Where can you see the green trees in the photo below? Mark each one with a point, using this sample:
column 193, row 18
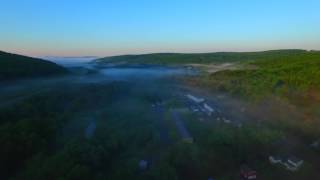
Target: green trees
column 274, row 75
column 21, row 140
column 200, row 58
column 14, row 66
column 31, row 130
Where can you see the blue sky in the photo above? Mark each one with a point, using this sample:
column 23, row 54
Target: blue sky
column 110, row 27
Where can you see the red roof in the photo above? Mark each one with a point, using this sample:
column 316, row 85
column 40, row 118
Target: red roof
column 248, row 174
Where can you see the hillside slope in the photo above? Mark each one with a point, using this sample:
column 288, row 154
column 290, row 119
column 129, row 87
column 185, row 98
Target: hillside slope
column 199, row 58
column 294, row 80
column 13, row 66
column 281, row 75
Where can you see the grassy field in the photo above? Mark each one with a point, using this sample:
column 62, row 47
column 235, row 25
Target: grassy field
column 14, row 66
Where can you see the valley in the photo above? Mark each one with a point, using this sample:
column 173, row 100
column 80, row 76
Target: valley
column 152, row 121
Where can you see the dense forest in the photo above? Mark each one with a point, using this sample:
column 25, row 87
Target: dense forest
column 289, row 76
column 294, row 78
column 200, row 58
column 35, row 142
column 43, row 137
column 14, row 66
column 47, row 134
column 277, row 74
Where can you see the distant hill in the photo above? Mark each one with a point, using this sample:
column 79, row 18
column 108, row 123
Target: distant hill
column 295, row 76
column 13, row 66
column 70, row 60
column 201, row 58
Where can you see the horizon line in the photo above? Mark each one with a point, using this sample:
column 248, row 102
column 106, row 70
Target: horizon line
column 160, row 52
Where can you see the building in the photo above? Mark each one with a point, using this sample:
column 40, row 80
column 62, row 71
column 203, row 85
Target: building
column 209, row 110
column 275, row 159
column 316, row 144
column 194, row 109
column 195, row 99
column 227, row 121
column 247, row 173
column 291, row 163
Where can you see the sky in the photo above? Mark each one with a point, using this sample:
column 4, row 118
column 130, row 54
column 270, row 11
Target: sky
column 114, row 27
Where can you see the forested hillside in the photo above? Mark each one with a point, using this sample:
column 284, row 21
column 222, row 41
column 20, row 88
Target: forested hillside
column 13, row 66
column 280, row 75
column 293, row 78
column 200, row 58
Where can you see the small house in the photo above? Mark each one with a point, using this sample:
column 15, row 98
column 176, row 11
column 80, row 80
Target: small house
column 247, row 173
column 227, row 121
column 293, row 163
column 275, row 159
column 315, row 144
column 195, row 99
column 194, row 109
column 208, row 109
